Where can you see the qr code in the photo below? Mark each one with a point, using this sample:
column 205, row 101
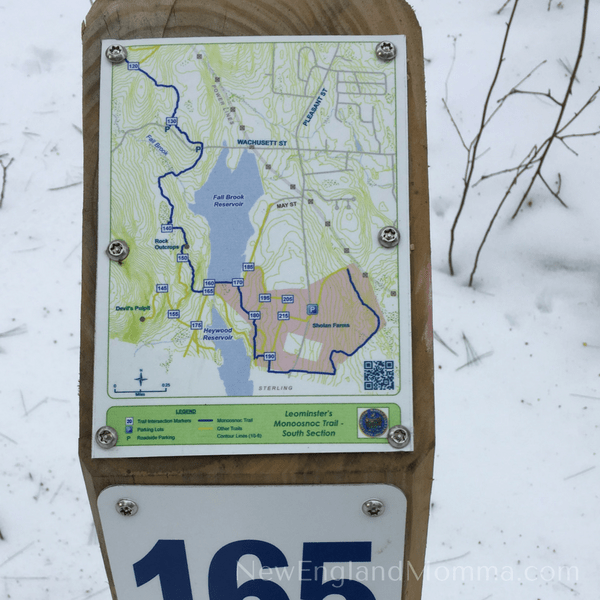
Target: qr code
column 379, row 374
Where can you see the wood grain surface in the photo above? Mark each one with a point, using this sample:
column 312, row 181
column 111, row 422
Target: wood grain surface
column 410, row 471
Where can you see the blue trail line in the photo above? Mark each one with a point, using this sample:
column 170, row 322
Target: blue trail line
column 200, row 151
column 334, row 371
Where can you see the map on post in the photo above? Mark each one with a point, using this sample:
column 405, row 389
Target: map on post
column 253, row 289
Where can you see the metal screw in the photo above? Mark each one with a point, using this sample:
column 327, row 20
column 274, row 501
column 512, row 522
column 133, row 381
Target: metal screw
column 126, row 507
column 118, row 250
column 106, row 437
column 373, row 507
column 116, row 53
column 398, row 436
column 389, row 237
column 385, row 51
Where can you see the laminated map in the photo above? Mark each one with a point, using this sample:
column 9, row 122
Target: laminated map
column 254, row 309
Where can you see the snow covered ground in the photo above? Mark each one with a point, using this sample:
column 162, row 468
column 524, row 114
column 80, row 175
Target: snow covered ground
column 516, row 480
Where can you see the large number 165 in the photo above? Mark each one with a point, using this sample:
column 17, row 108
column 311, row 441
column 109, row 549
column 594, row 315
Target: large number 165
column 168, row 561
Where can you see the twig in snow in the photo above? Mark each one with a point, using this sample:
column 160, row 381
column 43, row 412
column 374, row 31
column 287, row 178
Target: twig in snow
column 78, row 128
column 443, row 343
column 14, row 331
column 56, row 492
column 64, row 187
column 503, row 7
column 567, row 66
column 7, row 438
column 472, row 154
column 583, row 396
column 475, row 360
column 4, row 171
column 1, row 536
column 16, row 554
column 445, row 560
column 471, row 354
column 103, row 589
column 27, row 250
column 19, row 578
column 36, row 406
column 472, row 357
column 68, row 255
column 569, row 588
column 580, row 473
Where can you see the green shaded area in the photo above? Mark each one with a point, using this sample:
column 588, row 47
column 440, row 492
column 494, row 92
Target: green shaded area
column 202, row 424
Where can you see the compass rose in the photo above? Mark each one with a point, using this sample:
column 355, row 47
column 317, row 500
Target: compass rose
column 141, row 378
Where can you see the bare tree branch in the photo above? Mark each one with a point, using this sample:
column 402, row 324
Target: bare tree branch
column 493, row 219
column 557, row 127
column 471, row 164
column 4, row 170
column 591, row 99
column 544, row 94
column 510, row 169
column 462, row 141
column 555, row 194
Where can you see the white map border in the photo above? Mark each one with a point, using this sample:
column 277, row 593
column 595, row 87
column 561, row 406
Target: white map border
column 101, row 400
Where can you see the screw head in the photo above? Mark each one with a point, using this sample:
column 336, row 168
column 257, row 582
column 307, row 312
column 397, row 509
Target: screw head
column 385, row 51
column 389, row 237
column 117, row 250
column 106, row 437
column 116, row 53
column 126, row 507
column 398, row 436
column 373, row 507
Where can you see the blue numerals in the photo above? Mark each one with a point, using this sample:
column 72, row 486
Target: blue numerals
column 168, row 561
column 222, row 574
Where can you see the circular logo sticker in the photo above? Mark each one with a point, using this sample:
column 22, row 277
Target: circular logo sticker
column 373, row 422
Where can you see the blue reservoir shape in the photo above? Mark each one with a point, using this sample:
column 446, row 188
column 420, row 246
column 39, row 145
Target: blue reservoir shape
column 235, row 371
column 230, row 226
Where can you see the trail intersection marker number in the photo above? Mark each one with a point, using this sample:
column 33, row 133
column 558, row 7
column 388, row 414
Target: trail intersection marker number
column 211, row 234
column 319, row 541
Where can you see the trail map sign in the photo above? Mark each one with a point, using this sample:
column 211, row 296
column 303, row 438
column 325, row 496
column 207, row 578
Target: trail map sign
column 255, row 311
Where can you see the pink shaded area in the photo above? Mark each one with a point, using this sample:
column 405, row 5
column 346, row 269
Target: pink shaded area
column 339, row 303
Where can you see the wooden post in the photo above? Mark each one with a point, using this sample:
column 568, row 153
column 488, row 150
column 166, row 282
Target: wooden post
column 409, row 471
